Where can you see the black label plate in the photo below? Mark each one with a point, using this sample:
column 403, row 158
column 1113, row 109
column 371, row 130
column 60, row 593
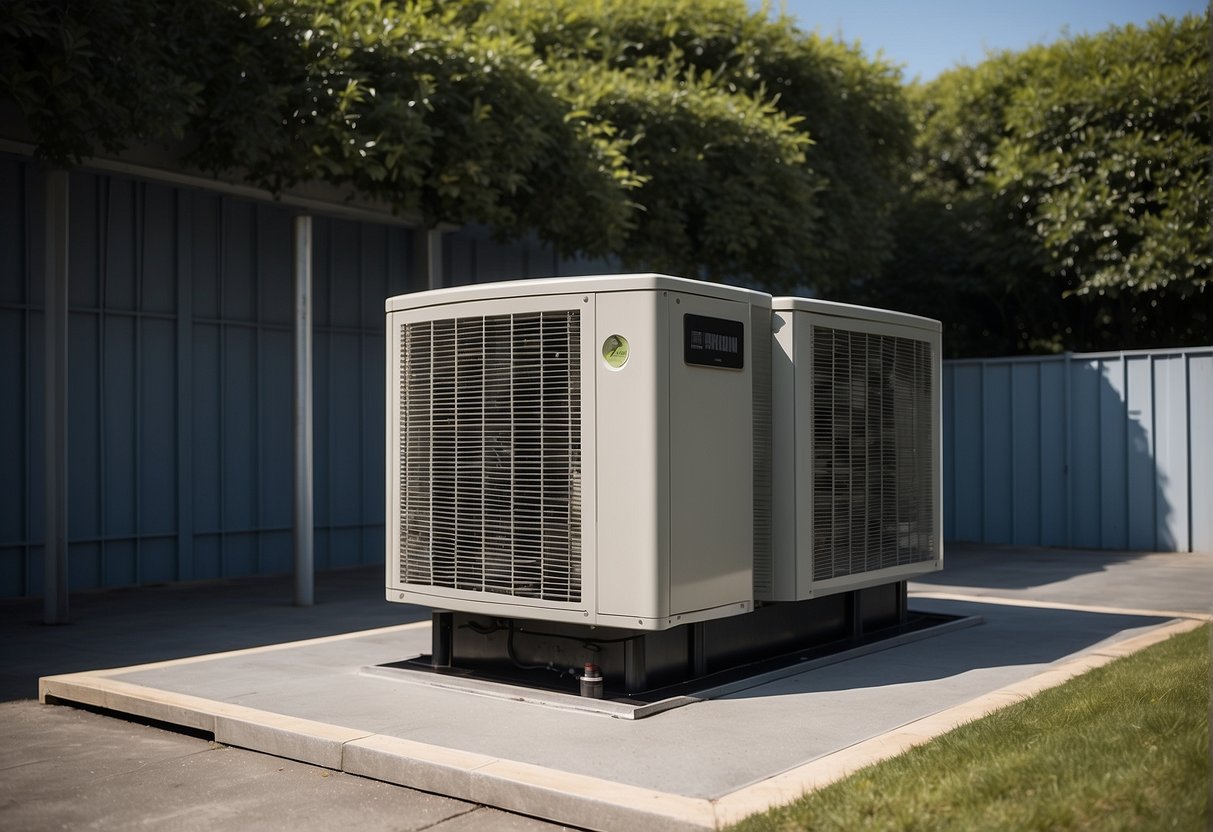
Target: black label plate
column 713, row 342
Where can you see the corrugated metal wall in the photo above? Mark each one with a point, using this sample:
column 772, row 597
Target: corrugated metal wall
column 1101, row 450
column 180, row 377
column 472, row 255
column 180, row 457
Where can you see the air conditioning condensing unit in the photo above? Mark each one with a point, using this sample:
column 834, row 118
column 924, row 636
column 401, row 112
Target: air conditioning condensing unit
column 856, row 432
column 588, row 450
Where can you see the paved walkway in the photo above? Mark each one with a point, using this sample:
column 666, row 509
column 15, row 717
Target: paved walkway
column 63, row 767
column 68, row 768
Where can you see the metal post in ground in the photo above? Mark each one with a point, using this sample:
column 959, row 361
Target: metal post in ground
column 55, row 240
column 303, row 534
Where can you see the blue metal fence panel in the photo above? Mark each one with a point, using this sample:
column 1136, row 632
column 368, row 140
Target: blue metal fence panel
column 964, row 468
column 1052, row 489
column 1084, row 474
column 1107, row 450
column 997, row 438
column 1025, row 451
column 1112, row 430
column 180, row 370
column 1200, row 436
column 1172, row 452
column 1139, row 461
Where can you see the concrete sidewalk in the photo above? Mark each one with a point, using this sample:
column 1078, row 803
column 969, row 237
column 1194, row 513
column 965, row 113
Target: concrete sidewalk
column 67, row 768
column 1048, row 613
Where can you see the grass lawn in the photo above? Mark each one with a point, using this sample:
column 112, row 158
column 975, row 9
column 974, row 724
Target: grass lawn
column 1124, row 746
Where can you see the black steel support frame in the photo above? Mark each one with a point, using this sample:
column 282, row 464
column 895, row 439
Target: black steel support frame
column 635, row 661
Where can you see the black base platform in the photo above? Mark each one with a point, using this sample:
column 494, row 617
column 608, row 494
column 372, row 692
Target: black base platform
column 645, row 665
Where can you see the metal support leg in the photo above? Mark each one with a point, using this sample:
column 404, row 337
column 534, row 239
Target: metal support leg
column 442, row 639
column 304, row 535
column 54, row 596
column 903, row 602
column 696, row 658
column 635, row 676
column 855, row 615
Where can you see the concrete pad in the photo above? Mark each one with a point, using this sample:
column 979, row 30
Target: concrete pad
column 587, row 801
column 988, row 598
column 418, row 765
column 99, row 691
column 482, row 818
column 305, row 740
column 162, row 708
column 692, row 768
column 629, row 709
column 123, row 627
column 1093, row 579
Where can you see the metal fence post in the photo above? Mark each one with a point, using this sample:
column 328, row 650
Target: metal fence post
column 304, row 534
column 55, row 581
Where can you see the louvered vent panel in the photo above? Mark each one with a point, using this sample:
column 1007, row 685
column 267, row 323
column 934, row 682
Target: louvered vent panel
column 490, row 454
column 760, row 326
column 872, row 452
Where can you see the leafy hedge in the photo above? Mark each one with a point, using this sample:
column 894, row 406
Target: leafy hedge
column 402, row 103
column 1055, row 198
column 648, row 130
column 852, row 108
column 1061, row 196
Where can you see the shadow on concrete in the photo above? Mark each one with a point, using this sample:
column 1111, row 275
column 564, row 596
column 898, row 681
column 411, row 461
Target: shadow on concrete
column 1009, row 637
column 118, row 628
column 1133, row 582
column 994, row 566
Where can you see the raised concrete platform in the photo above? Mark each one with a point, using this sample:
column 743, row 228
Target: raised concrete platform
column 700, row 766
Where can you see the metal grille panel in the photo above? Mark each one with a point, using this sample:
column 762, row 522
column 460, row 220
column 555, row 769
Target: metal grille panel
column 760, row 326
column 873, row 505
column 490, row 454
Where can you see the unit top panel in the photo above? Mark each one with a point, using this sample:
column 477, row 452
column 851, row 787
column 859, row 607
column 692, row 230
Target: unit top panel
column 575, row 285
column 851, row 312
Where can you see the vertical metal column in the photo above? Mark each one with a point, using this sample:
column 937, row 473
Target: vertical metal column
column 54, row 595
column 854, row 615
column 442, row 638
column 185, row 386
column 427, row 256
column 697, row 659
column 304, row 535
column 1067, row 471
column 635, row 667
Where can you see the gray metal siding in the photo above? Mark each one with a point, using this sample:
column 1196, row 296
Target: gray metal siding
column 1106, row 450
column 180, row 383
column 20, row 386
column 1200, row 404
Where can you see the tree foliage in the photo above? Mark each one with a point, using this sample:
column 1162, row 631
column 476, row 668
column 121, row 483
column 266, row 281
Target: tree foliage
column 851, row 107
column 1060, row 197
column 696, row 137
column 402, row 103
column 1055, row 198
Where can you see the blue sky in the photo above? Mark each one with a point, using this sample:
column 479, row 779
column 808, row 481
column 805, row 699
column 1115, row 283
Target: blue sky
column 930, row 36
